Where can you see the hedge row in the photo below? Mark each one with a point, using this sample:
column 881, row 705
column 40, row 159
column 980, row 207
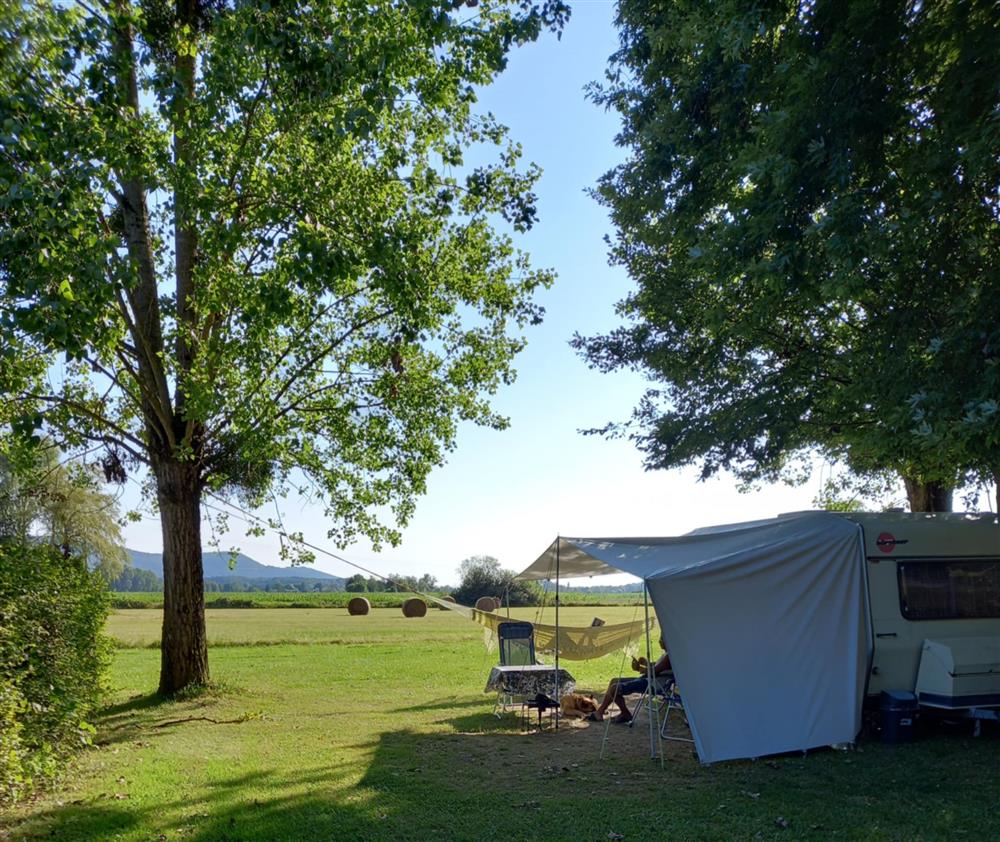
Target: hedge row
column 53, row 659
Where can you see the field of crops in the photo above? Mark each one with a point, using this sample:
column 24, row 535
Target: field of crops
column 324, row 726
column 264, row 599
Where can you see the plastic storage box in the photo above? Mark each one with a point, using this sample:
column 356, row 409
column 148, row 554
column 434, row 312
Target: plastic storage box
column 899, row 716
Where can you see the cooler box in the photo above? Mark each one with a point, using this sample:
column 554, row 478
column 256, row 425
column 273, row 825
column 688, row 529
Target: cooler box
column 899, row 716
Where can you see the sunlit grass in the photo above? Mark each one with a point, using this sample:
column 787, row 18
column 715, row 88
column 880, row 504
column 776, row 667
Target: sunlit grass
column 243, row 626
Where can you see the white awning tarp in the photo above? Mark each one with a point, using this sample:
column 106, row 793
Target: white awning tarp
column 767, row 625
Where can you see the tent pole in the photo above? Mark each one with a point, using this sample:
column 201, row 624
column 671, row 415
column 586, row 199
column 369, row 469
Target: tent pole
column 650, row 676
column 558, row 542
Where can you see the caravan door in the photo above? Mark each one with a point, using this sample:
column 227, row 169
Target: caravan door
column 897, row 643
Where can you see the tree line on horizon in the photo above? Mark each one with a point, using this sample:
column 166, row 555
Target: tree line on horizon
column 359, row 583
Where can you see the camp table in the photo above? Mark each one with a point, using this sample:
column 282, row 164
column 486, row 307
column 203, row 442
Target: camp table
column 529, row 680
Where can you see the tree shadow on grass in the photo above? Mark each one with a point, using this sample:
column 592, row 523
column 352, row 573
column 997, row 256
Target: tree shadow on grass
column 135, row 703
column 127, row 720
column 488, row 777
column 391, row 802
column 411, row 785
column 414, row 786
column 480, row 718
column 132, row 719
column 473, row 776
column 449, row 703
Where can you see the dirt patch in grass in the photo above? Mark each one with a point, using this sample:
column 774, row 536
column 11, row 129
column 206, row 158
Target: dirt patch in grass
column 577, row 759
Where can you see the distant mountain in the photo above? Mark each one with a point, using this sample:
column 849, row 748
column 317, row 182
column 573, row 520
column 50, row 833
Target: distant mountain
column 217, row 567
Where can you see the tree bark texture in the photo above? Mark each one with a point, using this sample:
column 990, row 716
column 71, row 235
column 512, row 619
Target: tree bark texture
column 184, row 645
column 928, row 496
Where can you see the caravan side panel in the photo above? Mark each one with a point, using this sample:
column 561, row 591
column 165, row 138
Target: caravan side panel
column 929, row 577
column 899, row 640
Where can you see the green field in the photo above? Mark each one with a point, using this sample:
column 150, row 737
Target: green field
column 262, row 626
column 266, row 599
column 376, row 728
column 339, row 599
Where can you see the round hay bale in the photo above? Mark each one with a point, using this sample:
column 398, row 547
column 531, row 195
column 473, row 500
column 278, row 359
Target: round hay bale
column 448, row 598
column 487, row 603
column 358, row 606
column 414, row 608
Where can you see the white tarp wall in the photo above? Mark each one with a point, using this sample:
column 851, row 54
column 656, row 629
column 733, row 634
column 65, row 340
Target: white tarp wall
column 767, row 624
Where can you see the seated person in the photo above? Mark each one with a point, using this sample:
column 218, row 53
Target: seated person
column 619, row 688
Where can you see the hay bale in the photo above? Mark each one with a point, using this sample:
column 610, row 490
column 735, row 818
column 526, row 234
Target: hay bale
column 358, row 606
column 414, row 607
column 448, row 598
column 487, row 603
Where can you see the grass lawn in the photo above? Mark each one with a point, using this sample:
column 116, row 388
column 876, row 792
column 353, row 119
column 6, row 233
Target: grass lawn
column 335, row 727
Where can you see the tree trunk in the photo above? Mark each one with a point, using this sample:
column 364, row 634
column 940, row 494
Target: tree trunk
column 928, row 496
column 184, row 646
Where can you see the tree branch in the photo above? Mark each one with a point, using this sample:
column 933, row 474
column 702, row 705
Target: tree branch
column 83, row 409
column 142, row 298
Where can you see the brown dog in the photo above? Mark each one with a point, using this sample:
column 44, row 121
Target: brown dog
column 574, row 704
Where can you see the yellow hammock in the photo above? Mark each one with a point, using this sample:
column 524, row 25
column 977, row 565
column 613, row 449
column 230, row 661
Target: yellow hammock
column 576, row 643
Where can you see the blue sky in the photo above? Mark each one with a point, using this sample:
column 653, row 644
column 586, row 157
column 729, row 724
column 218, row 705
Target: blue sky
column 508, row 494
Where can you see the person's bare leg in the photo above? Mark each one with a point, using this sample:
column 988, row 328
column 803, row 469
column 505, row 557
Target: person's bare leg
column 610, row 695
column 625, row 715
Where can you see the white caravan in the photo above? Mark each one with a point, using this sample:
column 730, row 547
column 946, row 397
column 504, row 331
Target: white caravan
column 934, row 590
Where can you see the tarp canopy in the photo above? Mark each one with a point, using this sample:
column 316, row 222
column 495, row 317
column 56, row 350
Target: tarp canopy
column 766, row 622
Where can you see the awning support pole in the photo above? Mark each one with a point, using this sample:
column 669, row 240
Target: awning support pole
column 650, row 676
column 558, row 542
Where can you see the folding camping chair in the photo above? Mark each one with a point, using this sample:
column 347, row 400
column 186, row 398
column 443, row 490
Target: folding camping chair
column 517, row 643
column 669, row 699
column 516, row 640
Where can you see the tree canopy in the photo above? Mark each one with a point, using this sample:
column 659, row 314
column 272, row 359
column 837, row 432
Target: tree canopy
column 61, row 504
column 810, row 212
column 246, row 239
column 482, row 575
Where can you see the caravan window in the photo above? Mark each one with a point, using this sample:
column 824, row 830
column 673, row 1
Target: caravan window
column 949, row 590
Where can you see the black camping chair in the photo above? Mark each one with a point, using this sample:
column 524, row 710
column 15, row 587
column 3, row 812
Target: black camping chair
column 517, row 649
column 517, row 643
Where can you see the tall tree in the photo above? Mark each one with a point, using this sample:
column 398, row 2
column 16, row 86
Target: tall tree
column 810, row 213
column 249, row 234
